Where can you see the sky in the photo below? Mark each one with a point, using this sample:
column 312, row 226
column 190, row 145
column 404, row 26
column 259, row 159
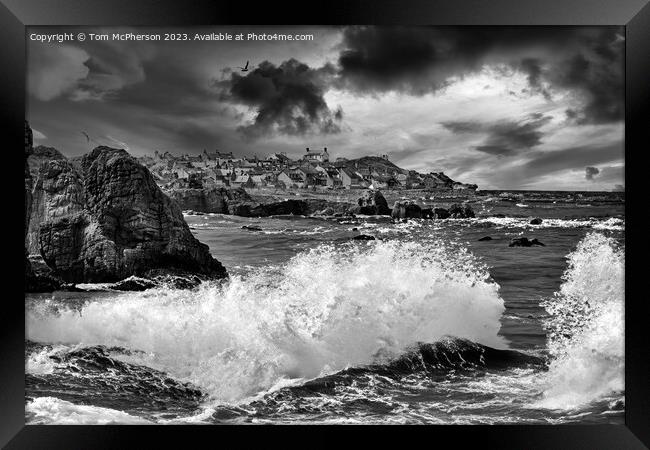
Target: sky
column 502, row 107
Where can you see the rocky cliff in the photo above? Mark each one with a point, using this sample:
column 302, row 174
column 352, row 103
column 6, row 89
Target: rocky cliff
column 236, row 201
column 218, row 200
column 109, row 220
column 38, row 277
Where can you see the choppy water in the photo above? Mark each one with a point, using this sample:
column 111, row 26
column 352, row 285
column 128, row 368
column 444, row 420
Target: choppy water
column 426, row 324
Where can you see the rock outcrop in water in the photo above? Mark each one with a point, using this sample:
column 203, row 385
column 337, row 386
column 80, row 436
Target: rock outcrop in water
column 281, row 208
column 524, row 242
column 411, row 210
column 440, row 213
column 363, row 237
column 458, row 211
column 372, row 203
column 406, row 210
column 109, row 220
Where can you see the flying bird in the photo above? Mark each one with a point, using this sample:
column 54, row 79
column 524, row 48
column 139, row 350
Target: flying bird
column 245, row 68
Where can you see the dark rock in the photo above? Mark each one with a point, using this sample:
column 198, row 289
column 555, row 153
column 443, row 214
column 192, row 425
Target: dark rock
column 110, row 221
column 499, row 216
column 251, row 228
column 372, row 203
column 355, row 229
column 363, row 237
column 406, row 210
column 440, row 213
column 485, row 238
column 363, row 210
column 524, row 242
column 220, row 200
column 39, row 277
column 427, row 213
column 324, row 207
column 57, row 194
column 286, row 207
column 28, row 176
column 42, row 155
column 536, row 221
column 283, row 208
column 458, row 211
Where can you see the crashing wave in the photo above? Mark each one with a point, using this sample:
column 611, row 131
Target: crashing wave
column 327, row 309
column 586, row 328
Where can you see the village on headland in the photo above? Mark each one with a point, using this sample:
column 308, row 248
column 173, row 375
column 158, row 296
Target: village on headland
column 109, row 217
column 315, row 170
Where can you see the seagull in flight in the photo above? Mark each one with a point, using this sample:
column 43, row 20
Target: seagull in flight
column 245, row 68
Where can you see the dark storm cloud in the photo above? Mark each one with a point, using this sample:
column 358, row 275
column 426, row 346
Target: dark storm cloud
column 418, row 60
column 288, row 99
column 533, row 68
column 591, row 172
column 392, row 58
column 504, row 138
column 601, row 77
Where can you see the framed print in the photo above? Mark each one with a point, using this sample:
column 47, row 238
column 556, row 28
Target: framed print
column 338, row 217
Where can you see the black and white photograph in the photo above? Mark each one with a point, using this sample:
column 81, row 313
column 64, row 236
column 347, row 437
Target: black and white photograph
column 359, row 224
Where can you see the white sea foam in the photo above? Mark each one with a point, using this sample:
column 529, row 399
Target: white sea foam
column 586, row 331
column 40, row 363
column 54, row 411
column 612, row 223
column 326, row 309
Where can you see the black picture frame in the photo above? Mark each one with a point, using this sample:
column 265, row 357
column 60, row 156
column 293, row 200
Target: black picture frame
column 633, row 14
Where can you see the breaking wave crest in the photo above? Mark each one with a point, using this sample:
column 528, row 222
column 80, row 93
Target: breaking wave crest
column 586, row 328
column 326, row 310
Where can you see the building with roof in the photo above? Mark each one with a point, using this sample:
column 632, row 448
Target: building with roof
column 316, row 156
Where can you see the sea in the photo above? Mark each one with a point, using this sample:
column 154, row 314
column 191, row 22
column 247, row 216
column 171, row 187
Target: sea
column 427, row 323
